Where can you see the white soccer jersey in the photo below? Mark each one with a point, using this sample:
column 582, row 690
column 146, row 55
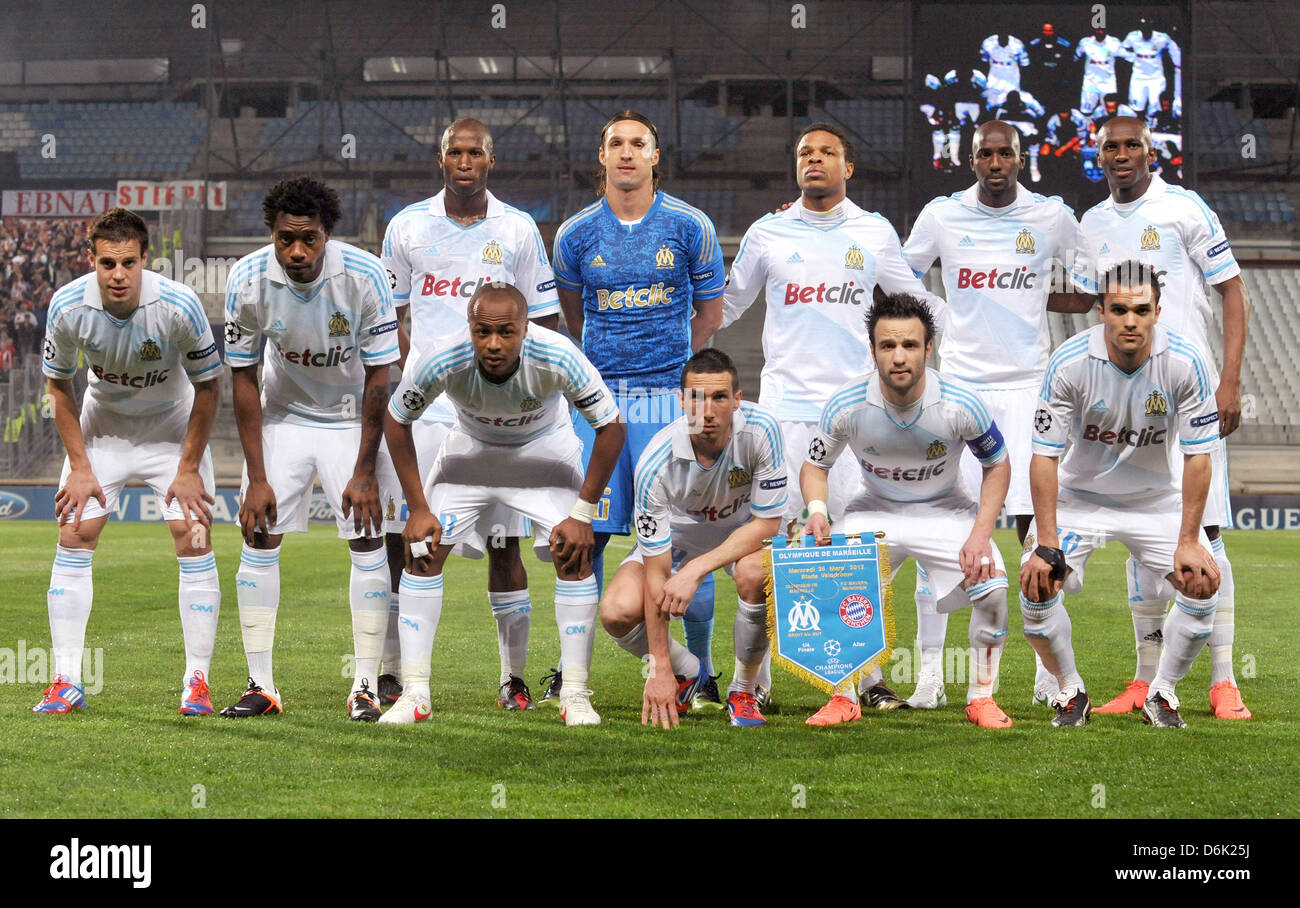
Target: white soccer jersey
column 318, row 338
column 997, row 274
column 135, row 365
column 1145, row 53
column 1004, row 61
column 1099, row 62
column 526, row 406
column 818, row 274
column 436, row 264
column 684, row 505
column 1120, row 428
column 908, row 455
column 1174, row 231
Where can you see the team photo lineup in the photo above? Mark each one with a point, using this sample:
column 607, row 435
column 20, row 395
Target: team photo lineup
column 508, row 425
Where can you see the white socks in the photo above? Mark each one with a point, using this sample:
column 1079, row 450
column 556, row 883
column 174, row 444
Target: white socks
column 1187, row 628
column 68, row 601
column 988, row 637
column 368, row 596
column 931, row 625
column 750, row 638
column 684, row 662
column 576, row 602
column 1148, row 597
column 257, row 591
column 1224, row 619
column 1048, row 630
column 512, row 612
column 391, row 664
column 199, row 596
column 421, row 610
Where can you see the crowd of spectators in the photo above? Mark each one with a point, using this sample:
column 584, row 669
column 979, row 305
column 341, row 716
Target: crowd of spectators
column 36, row 256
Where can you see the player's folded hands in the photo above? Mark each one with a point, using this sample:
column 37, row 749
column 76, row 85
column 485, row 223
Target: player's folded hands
column 1196, row 575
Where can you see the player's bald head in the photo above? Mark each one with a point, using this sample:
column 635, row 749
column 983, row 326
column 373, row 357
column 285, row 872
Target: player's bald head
column 996, row 133
column 497, row 292
column 466, row 124
column 1125, row 126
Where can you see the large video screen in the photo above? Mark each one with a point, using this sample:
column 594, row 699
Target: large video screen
column 1055, row 72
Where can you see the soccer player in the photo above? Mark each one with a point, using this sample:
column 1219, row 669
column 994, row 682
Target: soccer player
column 325, row 309
column 710, row 488
column 1004, row 62
column 906, row 425
column 1000, row 246
column 513, row 446
column 640, row 278
column 818, row 263
column 1098, row 51
column 1051, row 61
column 147, row 416
column 1147, row 83
column 1173, row 230
column 1120, row 393
column 438, row 252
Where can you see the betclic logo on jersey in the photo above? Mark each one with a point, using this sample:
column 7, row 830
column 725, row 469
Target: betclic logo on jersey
column 849, row 293
column 1000, row 277
column 456, row 286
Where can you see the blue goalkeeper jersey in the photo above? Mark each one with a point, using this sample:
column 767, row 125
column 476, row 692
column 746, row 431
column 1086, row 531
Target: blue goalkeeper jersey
column 638, row 285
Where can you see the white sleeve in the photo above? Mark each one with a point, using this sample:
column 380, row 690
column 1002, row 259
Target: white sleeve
column 922, row 246
column 1207, row 245
column 243, row 328
column 747, row 276
column 894, row 276
column 533, row 275
column 829, row 438
column 393, row 256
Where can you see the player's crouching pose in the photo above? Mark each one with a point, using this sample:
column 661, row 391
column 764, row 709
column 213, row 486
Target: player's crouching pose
column 906, row 425
column 1120, row 393
column 141, row 420
column 710, row 487
column 326, row 311
column 513, row 446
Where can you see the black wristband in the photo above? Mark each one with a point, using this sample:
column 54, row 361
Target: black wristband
column 1054, row 557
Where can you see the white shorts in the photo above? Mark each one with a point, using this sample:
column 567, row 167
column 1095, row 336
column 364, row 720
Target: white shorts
column 1013, row 411
column 1144, row 94
column 845, row 475
column 116, row 461
column 1218, row 502
column 933, row 536
column 466, row 483
column 1091, row 97
column 296, row 455
column 1150, row 533
column 501, row 523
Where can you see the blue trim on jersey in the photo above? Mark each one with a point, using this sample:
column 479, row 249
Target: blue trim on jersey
column 236, row 354
column 1068, row 352
column 1191, row 442
column 445, row 362
column 645, row 480
column 70, row 297
column 397, row 414
column 1227, row 264
column 555, row 355
column 1048, row 444
column 189, row 306
column 379, row 353
column 1193, row 197
column 1178, row 345
column 771, row 431
column 965, row 398
column 216, row 365
column 369, row 268
column 778, row 506
column 840, row 401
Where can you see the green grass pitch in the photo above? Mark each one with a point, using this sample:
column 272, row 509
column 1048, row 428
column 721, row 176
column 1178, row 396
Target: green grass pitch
column 131, row 755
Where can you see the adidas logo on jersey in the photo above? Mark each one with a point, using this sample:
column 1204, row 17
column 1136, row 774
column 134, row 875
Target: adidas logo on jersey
column 597, row 262
column 1099, row 406
column 795, row 259
column 1105, row 247
column 278, row 326
column 966, row 242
